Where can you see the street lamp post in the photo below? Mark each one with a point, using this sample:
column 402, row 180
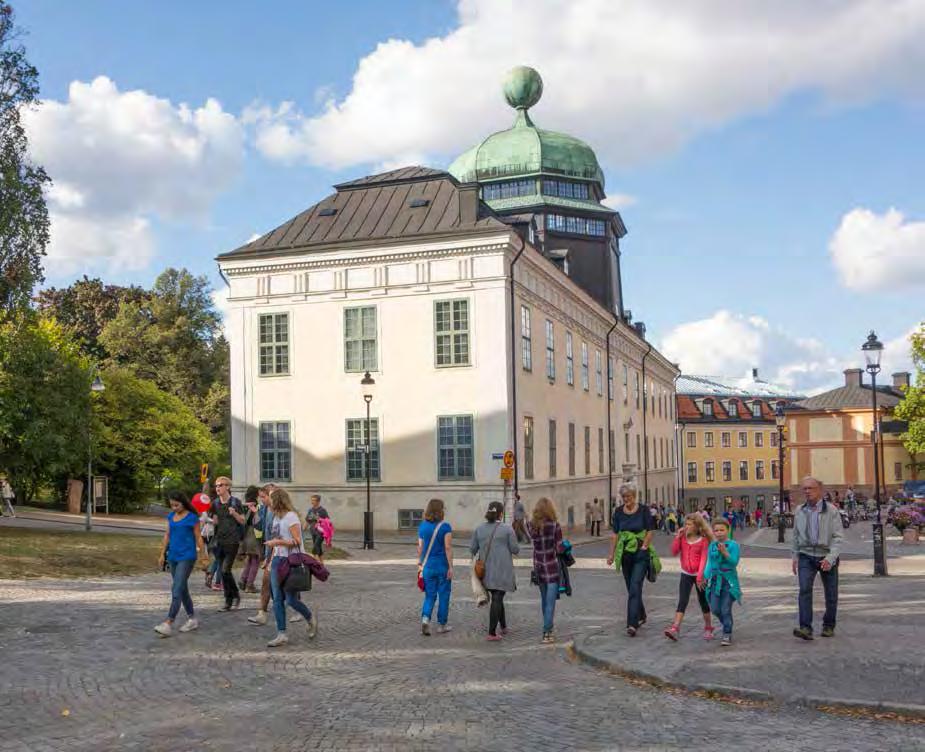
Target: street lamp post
column 779, row 420
column 873, row 349
column 367, row 385
column 96, row 386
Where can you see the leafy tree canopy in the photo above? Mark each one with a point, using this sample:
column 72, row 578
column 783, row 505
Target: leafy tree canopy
column 24, row 226
column 912, row 407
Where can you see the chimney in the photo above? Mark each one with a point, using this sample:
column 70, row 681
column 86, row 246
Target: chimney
column 628, row 316
column 640, row 328
column 853, row 377
column 754, row 374
column 468, row 203
column 901, row 379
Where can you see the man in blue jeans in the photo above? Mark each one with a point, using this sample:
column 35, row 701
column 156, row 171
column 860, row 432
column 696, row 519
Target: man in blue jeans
column 817, row 540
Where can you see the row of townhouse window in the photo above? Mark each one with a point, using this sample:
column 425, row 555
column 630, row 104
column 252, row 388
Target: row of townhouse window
column 732, row 408
column 658, row 400
column 452, row 338
column 694, row 502
column 709, row 470
column 455, row 455
column 726, row 439
column 529, row 186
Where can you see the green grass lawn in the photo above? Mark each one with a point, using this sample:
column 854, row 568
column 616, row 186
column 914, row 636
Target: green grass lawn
column 26, row 552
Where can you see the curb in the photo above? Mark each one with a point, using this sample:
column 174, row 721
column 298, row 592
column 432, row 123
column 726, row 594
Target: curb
column 907, row 712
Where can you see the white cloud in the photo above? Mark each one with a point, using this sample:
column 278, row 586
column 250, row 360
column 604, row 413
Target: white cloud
column 620, row 201
column 122, row 159
column 731, row 344
column 220, row 301
column 636, row 78
column 879, row 251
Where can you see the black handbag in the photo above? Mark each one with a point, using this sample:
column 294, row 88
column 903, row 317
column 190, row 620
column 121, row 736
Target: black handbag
column 299, row 579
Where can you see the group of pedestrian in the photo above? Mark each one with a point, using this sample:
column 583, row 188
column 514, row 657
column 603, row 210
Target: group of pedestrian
column 264, row 531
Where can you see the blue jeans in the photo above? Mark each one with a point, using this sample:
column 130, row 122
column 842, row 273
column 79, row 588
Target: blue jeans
column 549, row 593
column 436, row 587
column 179, row 590
column 281, row 598
column 807, row 566
column 721, row 604
column 634, row 567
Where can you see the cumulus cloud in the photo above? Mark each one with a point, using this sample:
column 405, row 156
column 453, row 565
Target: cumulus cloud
column 120, row 159
column 879, row 251
column 220, row 301
column 636, row 78
column 620, row 201
column 730, row 344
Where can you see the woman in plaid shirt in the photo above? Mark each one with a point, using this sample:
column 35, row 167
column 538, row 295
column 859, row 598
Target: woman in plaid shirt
column 546, row 534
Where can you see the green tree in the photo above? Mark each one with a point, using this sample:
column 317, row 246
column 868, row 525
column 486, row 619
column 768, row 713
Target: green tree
column 912, row 407
column 85, row 307
column 24, row 226
column 142, row 434
column 44, row 409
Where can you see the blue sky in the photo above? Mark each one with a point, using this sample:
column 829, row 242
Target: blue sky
column 738, row 163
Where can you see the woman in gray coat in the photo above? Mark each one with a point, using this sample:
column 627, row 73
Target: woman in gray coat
column 495, row 543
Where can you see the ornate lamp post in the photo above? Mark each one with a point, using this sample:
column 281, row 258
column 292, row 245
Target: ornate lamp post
column 780, row 420
column 96, row 386
column 873, row 349
column 367, row 385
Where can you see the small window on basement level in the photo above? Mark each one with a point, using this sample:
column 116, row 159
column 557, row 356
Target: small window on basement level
column 409, row 519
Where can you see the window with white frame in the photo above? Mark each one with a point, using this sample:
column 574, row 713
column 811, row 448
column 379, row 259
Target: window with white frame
column 526, row 344
column 451, row 332
column 636, row 388
column 691, row 439
column 585, row 376
column 626, row 383
column 775, row 470
column 571, row 448
column 759, row 469
column 727, row 471
column 587, row 450
column 773, row 438
column 600, row 450
column 708, row 439
column 528, row 447
column 552, row 449
column 756, row 409
column 743, row 470
column 725, row 439
column 550, row 351
column 455, row 447
column 569, row 360
column 733, row 409
column 743, row 439
column 759, row 439
column 410, row 519
column 357, row 449
column 691, row 472
column 709, row 471
column 599, row 372
column 274, row 344
column 360, row 339
column 610, row 379
column 275, row 451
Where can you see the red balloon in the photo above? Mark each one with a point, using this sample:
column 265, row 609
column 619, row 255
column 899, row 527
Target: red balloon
column 201, row 502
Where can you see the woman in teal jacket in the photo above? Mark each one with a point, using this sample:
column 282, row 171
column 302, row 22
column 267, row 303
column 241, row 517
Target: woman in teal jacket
column 722, row 579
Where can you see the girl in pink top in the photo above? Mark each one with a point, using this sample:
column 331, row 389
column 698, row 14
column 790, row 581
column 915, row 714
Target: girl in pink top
column 692, row 542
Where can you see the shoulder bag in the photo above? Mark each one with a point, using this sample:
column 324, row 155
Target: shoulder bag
column 421, row 565
column 480, row 562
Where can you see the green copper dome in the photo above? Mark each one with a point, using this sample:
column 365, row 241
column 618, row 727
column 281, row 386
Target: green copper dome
column 525, row 149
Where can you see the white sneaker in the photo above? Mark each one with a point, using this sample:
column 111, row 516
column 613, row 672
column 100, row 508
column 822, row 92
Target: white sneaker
column 444, row 628
column 313, row 626
column 260, row 618
column 190, row 625
column 280, row 639
column 164, row 629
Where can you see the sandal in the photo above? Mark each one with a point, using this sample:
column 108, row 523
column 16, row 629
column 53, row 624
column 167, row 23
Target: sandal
column 672, row 633
column 708, row 633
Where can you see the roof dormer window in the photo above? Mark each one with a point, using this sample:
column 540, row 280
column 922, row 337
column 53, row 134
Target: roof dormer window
column 733, row 409
column 756, row 409
column 707, row 408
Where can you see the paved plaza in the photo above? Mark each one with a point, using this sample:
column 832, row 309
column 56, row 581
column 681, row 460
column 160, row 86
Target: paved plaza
column 83, row 670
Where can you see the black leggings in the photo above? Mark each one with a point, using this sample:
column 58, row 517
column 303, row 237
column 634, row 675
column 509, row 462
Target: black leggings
column 689, row 581
column 496, row 611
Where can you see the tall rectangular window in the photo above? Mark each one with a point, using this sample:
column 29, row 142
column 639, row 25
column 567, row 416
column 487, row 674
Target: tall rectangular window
column 569, row 360
column 356, row 449
column 612, row 451
column 550, row 351
column 454, row 447
column 528, row 447
column 526, row 345
column 726, row 439
column 610, row 379
column 691, row 472
column 707, row 408
column 626, row 384
column 759, row 469
column 274, row 344
column 638, row 451
column 743, row 469
column 743, row 439
column 773, row 438
column 451, row 332
column 775, row 469
column 727, row 471
column 626, row 447
column 360, row 343
column 275, row 452
column 552, row 449
column 708, row 439
column 897, row 470
column 600, row 450
column 571, row 448
column 585, row 376
column 759, row 439
column 691, row 439
column 599, row 373
column 709, row 471
column 636, row 389
column 587, row 450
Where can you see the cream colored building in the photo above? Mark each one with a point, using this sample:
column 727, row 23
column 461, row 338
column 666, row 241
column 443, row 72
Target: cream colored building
column 408, row 275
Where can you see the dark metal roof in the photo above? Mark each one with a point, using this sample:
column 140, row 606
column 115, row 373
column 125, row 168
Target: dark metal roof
column 378, row 207
column 846, row 397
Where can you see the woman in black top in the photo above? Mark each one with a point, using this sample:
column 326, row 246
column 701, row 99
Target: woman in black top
column 632, row 517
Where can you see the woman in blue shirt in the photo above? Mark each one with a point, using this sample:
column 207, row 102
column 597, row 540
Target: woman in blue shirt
column 435, row 565
column 181, row 547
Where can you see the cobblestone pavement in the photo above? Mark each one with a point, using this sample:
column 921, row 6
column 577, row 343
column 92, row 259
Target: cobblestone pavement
column 83, row 670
